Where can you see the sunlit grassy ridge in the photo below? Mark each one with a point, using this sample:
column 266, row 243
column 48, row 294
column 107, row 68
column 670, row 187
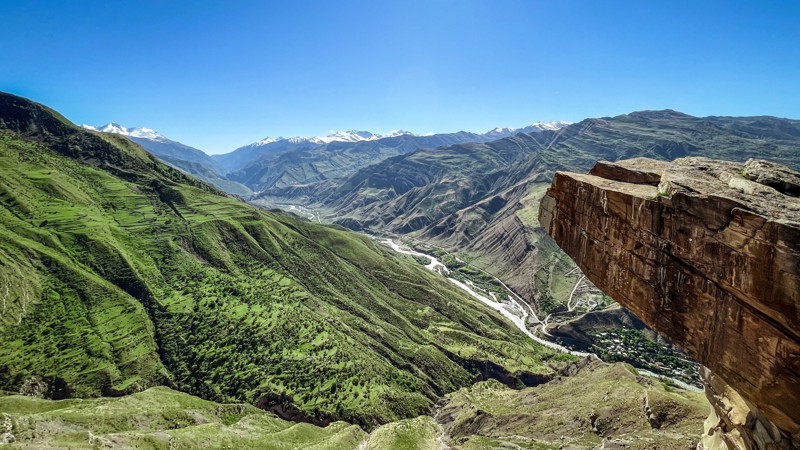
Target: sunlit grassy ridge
column 160, row 418
column 602, row 402
column 120, row 273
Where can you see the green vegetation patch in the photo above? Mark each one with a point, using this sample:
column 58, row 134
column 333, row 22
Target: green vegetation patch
column 123, row 273
column 161, row 418
column 601, row 402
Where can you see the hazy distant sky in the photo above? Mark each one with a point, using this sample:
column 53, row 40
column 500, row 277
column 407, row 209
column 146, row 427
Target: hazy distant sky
column 218, row 75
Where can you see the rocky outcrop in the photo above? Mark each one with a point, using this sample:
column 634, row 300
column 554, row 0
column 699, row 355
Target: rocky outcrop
column 708, row 253
column 733, row 422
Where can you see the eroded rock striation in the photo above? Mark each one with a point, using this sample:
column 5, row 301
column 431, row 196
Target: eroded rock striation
column 708, row 253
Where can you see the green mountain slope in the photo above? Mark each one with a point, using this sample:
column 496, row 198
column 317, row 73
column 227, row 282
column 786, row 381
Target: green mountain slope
column 121, row 273
column 205, row 173
column 598, row 403
column 160, row 418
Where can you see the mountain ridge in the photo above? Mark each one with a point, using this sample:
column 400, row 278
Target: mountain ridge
column 282, row 162
column 128, row 273
column 190, row 160
column 478, row 198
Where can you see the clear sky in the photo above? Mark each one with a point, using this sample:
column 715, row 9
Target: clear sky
column 218, row 75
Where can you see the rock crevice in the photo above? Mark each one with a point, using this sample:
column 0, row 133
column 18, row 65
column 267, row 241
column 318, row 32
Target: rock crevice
column 706, row 252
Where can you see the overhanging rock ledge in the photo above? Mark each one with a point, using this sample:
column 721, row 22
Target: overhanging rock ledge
column 708, row 253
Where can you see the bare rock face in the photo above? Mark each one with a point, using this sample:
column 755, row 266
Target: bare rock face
column 708, row 253
column 734, row 423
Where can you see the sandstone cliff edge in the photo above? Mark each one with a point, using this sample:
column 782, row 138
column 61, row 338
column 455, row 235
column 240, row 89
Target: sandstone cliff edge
column 708, row 253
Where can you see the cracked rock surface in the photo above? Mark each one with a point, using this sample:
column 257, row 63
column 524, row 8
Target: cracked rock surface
column 706, row 252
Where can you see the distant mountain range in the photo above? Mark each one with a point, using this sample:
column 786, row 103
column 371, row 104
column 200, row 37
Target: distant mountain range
column 476, row 194
column 481, row 199
column 282, row 162
column 240, row 159
column 188, row 159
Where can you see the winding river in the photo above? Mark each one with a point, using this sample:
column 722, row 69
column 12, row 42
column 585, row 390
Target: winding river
column 511, row 309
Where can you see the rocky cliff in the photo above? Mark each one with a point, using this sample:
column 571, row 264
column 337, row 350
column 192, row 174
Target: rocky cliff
column 708, row 253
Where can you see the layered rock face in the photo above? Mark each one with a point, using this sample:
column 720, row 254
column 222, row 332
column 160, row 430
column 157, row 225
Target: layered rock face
column 708, row 253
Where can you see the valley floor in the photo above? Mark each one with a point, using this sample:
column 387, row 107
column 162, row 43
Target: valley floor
column 514, row 309
column 511, row 308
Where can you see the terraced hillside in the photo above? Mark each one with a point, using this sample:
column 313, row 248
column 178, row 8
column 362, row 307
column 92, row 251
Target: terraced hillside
column 120, row 273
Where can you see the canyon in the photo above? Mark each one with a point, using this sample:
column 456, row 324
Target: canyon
column 124, row 276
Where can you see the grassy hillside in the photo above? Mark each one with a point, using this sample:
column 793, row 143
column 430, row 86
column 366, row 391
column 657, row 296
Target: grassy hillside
column 121, row 273
column 599, row 402
column 160, row 418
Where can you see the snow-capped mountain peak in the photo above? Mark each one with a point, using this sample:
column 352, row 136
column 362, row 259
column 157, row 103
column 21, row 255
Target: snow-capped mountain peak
column 395, row 133
column 139, row 132
column 499, row 133
column 344, row 136
column 354, row 136
column 554, row 125
column 267, row 140
column 336, row 136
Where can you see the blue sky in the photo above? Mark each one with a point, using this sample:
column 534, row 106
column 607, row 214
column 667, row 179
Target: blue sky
column 218, row 75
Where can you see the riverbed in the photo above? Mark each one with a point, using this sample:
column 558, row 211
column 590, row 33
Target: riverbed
column 511, row 308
